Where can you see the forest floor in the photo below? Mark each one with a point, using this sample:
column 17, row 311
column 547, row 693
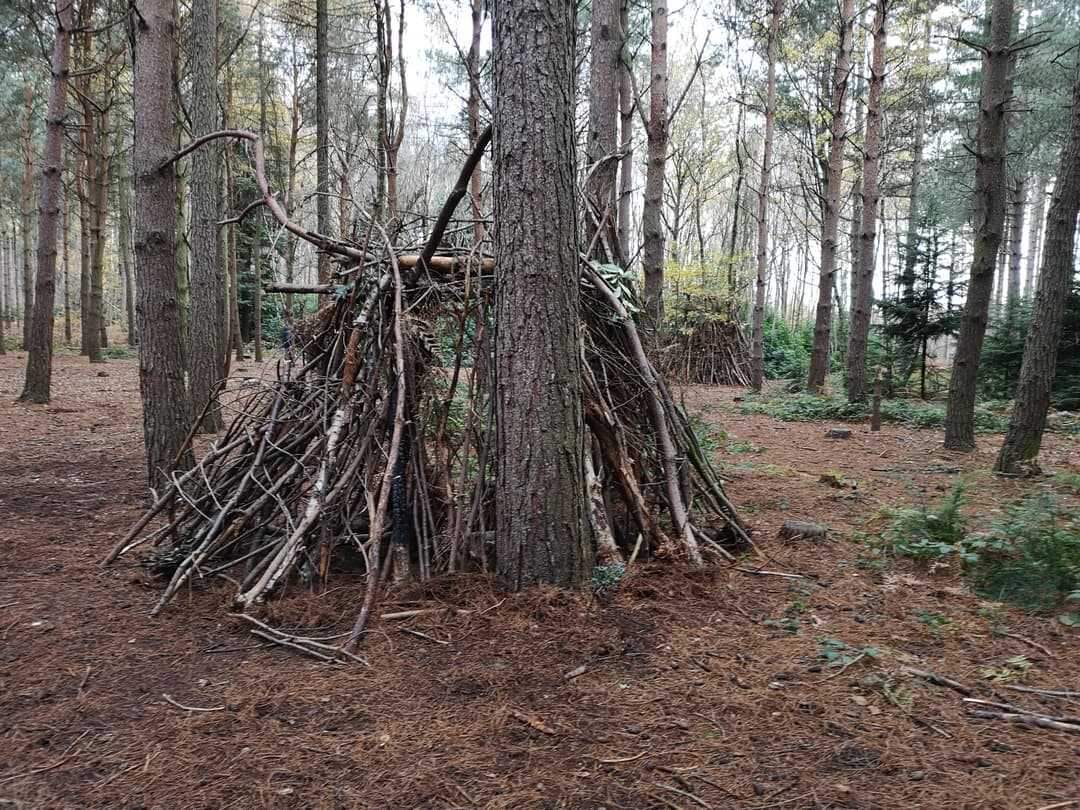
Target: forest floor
column 708, row 688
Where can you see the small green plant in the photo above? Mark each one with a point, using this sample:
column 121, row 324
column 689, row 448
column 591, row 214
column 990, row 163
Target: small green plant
column 893, row 692
column 1031, row 555
column 606, row 577
column 790, row 624
column 841, row 654
column 931, row 535
column 928, row 618
column 742, row 446
column 1015, row 667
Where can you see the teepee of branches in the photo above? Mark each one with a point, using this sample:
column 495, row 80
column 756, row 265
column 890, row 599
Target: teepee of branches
column 377, row 440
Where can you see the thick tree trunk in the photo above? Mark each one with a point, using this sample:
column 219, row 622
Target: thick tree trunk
column 602, row 140
column 757, row 352
column 207, row 279
column 166, row 411
column 819, row 355
column 542, row 528
column 864, row 269
column 1024, row 437
column 40, row 337
column 990, row 194
column 652, row 225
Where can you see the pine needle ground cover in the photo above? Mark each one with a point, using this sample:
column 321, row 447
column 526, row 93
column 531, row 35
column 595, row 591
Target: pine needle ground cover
column 835, row 689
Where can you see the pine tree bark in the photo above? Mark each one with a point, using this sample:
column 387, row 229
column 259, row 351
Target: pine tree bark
column 166, row 410
column 542, row 528
column 1028, row 421
column 652, row 225
column 862, row 300
column 322, row 130
column 757, row 351
column 819, row 355
column 40, row 337
column 207, row 279
column 27, row 214
column 626, row 133
column 602, row 140
column 989, row 204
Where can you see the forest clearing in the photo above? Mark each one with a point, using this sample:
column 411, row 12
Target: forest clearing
column 838, row 680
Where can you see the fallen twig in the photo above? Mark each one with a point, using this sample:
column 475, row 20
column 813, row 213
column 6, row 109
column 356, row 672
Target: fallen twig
column 168, row 699
column 934, row 678
column 1026, row 720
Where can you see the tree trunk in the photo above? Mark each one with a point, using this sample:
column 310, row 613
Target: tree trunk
column 127, row 261
column 40, row 337
column 1024, row 437
column 290, row 194
column 864, row 270
column 166, row 411
column 322, row 131
column 652, row 226
column 602, row 140
column 757, row 352
column 65, row 229
column 207, row 281
column 626, row 133
column 99, row 203
column 1016, row 238
column 473, row 117
column 542, row 528
column 394, row 131
column 819, row 355
column 1034, row 234
column 28, row 172
column 990, row 194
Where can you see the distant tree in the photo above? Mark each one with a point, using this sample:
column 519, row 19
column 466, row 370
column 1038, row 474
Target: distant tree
column 542, row 529
column 819, row 357
column 40, row 337
column 1024, row 437
column 205, row 353
column 863, row 269
column 166, row 409
column 656, row 131
column 989, row 206
column 757, row 353
column 601, row 142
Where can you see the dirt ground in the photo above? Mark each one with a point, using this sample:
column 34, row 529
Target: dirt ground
column 679, row 689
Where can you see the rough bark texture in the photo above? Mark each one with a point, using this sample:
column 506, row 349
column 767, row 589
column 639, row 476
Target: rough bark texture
column 602, row 139
column 27, row 216
column 626, row 133
column 862, row 300
column 40, row 337
column 542, row 529
column 989, row 203
column 322, row 130
column 1040, row 347
column 819, row 355
column 757, row 351
column 652, row 225
column 166, row 412
column 207, row 279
